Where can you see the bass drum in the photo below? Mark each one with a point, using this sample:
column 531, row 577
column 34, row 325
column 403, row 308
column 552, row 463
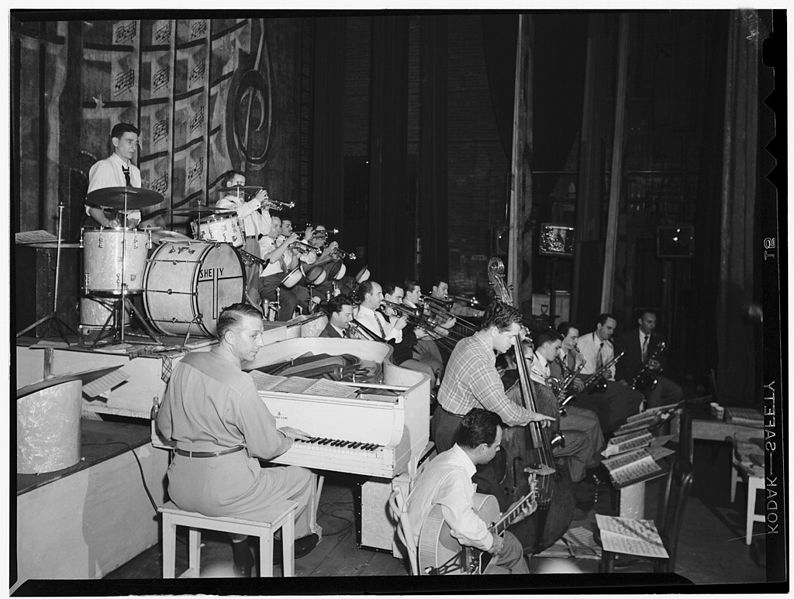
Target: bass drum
column 188, row 283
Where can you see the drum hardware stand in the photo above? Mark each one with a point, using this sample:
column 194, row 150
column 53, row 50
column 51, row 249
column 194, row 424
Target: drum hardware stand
column 59, row 324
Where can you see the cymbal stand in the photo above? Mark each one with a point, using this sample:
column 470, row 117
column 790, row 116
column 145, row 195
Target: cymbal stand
column 59, row 324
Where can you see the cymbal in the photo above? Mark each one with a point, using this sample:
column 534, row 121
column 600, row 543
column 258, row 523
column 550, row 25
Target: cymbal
column 199, row 210
column 113, row 197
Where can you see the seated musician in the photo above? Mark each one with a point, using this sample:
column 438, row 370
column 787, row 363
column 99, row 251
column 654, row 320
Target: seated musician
column 369, row 296
column 428, row 344
column 281, row 259
column 405, row 353
column 441, row 291
column 583, row 437
column 254, row 222
column 327, row 257
column 472, row 381
column 446, row 481
column 641, row 347
column 117, row 170
column 617, row 402
column 221, row 429
column 339, row 310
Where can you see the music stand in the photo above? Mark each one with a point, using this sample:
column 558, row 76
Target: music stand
column 59, row 324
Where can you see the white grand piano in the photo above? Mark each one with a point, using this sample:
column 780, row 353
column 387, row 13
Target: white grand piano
column 378, row 430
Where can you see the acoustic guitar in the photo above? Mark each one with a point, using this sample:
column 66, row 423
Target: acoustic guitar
column 441, row 553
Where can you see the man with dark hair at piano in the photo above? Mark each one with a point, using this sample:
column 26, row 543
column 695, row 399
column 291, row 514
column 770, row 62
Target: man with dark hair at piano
column 339, row 310
column 369, row 296
column 641, row 347
column 446, row 481
column 117, row 170
column 472, row 381
column 617, row 402
column 405, row 352
column 580, row 427
column 221, row 429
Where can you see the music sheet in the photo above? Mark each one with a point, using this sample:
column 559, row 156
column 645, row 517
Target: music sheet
column 631, row 536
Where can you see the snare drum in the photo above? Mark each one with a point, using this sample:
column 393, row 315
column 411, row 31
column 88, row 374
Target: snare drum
column 188, row 283
column 223, row 229
column 102, row 259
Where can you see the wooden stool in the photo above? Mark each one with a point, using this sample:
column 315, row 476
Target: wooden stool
column 281, row 515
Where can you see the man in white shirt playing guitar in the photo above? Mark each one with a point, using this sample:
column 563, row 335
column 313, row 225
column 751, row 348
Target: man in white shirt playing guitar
column 444, row 506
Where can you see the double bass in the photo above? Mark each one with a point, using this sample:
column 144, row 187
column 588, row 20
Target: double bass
column 528, row 451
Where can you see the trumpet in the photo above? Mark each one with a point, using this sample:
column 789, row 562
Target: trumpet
column 250, row 259
column 315, row 233
column 342, row 255
column 596, row 381
column 276, row 205
column 305, row 248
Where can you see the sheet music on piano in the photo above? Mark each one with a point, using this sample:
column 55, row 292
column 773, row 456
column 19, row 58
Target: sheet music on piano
column 297, row 384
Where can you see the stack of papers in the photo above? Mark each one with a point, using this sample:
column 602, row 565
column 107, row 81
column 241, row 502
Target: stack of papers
column 631, row 536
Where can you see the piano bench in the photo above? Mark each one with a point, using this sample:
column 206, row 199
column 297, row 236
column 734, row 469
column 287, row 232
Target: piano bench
column 280, row 516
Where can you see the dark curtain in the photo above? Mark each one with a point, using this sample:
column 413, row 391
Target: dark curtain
column 500, row 36
column 735, row 333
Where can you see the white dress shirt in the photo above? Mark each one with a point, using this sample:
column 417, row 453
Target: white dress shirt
column 109, row 173
column 446, row 481
column 254, row 222
column 539, row 371
column 589, row 346
column 376, row 323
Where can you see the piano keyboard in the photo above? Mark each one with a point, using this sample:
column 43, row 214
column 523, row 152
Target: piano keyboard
column 338, row 455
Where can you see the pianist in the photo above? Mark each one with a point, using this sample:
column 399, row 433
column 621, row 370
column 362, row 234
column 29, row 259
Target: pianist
column 220, row 427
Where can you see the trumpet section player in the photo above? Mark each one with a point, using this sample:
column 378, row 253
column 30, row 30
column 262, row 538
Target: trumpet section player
column 254, row 222
column 615, row 402
column 643, row 363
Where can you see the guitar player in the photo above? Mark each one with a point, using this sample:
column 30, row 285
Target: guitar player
column 446, row 482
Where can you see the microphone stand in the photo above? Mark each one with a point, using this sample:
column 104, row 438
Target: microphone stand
column 60, row 324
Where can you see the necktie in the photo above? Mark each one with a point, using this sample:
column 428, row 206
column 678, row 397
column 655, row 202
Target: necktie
column 645, row 347
column 571, row 360
column 599, row 359
column 126, row 171
column 380, row 326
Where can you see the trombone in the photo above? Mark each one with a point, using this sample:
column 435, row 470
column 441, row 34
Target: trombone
column 417, row 318
column 442, row 310
column 365, row 331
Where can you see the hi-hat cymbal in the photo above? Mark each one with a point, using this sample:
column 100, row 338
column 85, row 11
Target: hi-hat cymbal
column 130, row 198
column 201, row 210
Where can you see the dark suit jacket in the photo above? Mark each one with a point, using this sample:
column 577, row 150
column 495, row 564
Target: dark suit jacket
column 330, row 331
column 631, row 362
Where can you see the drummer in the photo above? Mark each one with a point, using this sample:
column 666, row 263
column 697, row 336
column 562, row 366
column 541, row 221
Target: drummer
column 117, row 170
column 254, row 221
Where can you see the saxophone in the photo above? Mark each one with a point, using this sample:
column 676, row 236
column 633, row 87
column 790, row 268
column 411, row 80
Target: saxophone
column 646, row 379
column 597, row 381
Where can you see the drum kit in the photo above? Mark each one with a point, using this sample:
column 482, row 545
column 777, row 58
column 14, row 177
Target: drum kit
column 183, row 283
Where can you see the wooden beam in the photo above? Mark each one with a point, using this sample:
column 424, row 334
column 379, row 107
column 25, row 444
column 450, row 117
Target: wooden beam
column 520, row 245
column 616, row 173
